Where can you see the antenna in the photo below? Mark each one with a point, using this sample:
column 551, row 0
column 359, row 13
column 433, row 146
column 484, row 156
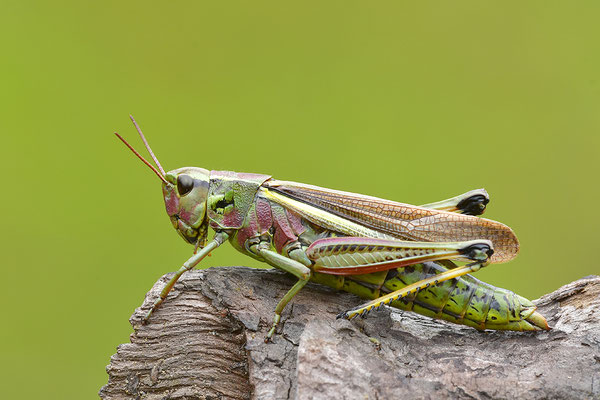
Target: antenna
column 162, row 178
column 147, row 145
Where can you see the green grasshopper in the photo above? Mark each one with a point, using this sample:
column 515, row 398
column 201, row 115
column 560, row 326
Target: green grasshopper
column 392, row 253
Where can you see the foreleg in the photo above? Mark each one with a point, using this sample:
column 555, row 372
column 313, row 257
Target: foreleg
column 218, row 240
column 294, row 266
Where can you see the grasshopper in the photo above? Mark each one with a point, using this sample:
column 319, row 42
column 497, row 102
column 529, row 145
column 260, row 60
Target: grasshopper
column 392, row 253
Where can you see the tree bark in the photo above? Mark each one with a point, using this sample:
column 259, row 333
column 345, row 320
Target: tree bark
column 206, row 342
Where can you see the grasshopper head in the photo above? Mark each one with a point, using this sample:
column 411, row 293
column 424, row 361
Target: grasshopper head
column 185, row 194
column 185, row 191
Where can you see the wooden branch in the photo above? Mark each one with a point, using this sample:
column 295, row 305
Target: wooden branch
column 206, row 342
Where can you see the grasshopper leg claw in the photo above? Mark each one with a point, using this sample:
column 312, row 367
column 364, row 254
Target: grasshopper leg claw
column 269, row 337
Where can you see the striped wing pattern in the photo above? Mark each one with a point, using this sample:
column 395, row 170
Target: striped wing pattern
column 403, row 221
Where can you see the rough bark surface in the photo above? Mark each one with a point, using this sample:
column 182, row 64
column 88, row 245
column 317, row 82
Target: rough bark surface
column 206, row 342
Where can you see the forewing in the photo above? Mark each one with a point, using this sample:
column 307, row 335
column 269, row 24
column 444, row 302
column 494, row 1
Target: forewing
column 400, row 220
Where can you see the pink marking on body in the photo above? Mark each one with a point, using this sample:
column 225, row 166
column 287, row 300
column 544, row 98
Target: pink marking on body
column 222, row 173
column 185, row 215
column 250, row 229
column 283, row 231
column 263, row 214
column 280, row 240
column 370, row 268
column 246, row 176
column 363, row 269
column 233, row 217
column 171, row 202
column 295, row 222
column 251, row 177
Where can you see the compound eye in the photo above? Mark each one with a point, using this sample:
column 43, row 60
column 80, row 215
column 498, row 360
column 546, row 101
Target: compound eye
column 185, row 184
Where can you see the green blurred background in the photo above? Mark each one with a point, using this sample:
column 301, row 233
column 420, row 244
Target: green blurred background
column 406, row 101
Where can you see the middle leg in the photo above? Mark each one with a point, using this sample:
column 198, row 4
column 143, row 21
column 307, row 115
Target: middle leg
column 297, row 265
